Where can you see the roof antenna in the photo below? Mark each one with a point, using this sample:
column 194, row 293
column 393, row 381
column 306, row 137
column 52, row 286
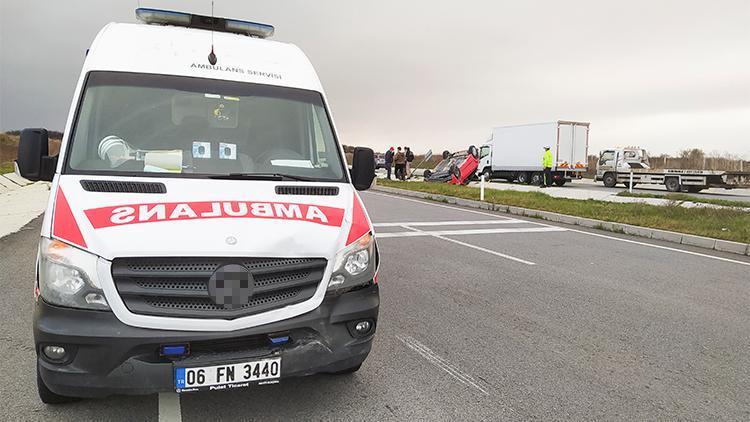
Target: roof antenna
column 212, row 56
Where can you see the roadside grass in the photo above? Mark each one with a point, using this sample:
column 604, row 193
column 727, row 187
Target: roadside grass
column 7, row 167
column 681, row 197
column 722, row 223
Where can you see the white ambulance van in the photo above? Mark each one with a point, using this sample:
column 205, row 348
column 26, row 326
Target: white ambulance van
column 203, row 230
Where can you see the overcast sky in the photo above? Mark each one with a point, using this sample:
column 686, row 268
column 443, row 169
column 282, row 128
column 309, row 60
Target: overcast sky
column 665, row 75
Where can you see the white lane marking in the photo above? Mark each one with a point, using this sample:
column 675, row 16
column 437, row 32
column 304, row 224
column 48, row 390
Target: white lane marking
column 441, row 363
column 479, row 248
column 662, row 247
column 468, row 245
column 169, row 407
column 437, row 233
column 718, row 258
column 449, row 223
column 447, row 206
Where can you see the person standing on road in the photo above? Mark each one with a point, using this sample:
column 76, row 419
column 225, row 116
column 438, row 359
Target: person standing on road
column 547, row 165
column 389, row 161
column 400, row 161
column 409, row 159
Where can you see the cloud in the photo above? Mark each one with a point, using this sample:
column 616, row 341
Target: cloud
column 439, row 74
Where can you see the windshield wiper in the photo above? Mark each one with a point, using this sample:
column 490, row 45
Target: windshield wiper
column 261, row 176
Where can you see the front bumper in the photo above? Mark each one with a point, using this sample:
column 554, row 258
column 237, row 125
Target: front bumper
column 108, row 357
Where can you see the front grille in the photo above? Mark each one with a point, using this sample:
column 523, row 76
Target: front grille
column 178, row 287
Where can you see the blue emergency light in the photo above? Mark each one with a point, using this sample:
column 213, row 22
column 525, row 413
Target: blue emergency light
column 190, row 20
column 279, row 340
column 174, row 350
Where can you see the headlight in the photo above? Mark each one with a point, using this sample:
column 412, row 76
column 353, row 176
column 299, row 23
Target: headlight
column 67, row 276
column 355, row 264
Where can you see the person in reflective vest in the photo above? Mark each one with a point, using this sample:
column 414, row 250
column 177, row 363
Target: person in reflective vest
column 547, row 165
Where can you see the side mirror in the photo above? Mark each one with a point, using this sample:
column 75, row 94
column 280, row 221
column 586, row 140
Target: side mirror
column 33, row 162
column 363, row 168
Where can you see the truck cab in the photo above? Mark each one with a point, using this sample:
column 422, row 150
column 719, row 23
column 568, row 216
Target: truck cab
column 614, row 160
column 203, row 230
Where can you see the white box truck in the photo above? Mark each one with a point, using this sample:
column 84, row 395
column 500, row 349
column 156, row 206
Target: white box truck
column 514, row 153
column 203, row 231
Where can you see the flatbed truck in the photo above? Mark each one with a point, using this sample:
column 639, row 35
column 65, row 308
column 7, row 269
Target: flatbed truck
column 631, row 165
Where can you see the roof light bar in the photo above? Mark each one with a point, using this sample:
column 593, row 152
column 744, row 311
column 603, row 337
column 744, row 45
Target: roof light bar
column 189, row 20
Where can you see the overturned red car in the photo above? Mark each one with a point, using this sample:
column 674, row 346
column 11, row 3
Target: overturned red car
column 457, row 168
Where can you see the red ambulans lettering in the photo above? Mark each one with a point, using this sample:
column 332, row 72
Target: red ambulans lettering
column 150, row 213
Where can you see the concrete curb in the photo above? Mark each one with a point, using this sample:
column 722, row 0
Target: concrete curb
column 649, row 233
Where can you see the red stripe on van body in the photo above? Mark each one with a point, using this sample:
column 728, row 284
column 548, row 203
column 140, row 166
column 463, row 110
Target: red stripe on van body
column 64, row 225
column 360, row 225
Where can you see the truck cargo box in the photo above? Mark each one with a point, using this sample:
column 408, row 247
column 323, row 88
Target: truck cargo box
column 520, row 148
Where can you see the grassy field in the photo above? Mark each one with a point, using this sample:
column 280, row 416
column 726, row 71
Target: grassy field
column 727, row 224
column 681, row 197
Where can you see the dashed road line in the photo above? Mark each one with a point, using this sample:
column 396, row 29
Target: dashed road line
column 441, row 363
column 437, row 233
column 169, row 407
column 450, row 223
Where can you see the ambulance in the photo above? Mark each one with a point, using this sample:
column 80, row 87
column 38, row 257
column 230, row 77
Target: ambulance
column 203, row 231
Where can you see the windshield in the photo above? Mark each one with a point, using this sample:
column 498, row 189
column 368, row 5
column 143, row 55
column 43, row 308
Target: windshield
column 140, row 124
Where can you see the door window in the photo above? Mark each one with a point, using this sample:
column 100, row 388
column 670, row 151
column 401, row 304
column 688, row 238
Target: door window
column 606, row 156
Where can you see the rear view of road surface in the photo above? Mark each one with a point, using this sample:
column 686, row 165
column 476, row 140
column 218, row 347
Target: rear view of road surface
column 483, row 317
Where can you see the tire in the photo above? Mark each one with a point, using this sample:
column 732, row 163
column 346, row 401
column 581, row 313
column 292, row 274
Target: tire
column 351, row 370
column 427, row 174
column 473, row 151
column 537, row 178
column 487, row 173
column 610, row 180
column 524, row 178
column 560, row 182
column 46, row 395
column 446, row 154
column 456, row 172
column 672, row 184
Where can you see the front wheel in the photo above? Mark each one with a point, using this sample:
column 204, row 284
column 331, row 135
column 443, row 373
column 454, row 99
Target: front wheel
column 610, row 180
column 427, row 174
column 487, row 175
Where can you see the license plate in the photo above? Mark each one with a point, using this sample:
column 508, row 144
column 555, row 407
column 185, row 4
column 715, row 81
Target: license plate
column 231, row 375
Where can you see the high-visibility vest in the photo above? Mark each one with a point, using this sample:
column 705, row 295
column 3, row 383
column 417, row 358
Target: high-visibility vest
column 547, row 160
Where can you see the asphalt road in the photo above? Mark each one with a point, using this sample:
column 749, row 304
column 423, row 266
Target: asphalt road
column 483, row 317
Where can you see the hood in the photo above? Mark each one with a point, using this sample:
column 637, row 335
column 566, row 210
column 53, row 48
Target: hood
column 202, row 217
